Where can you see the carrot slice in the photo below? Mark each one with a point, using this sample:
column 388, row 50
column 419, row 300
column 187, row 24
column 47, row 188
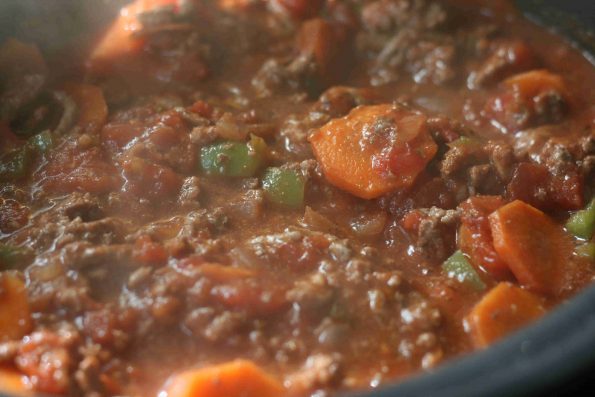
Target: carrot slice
column 91, row 104
column 475, row 235
column 11, row 381
column 239, row 378
column 15, row 316
column 120, row 39
column 504, row 309
column 530, row 84
column 537, row 250
column 374, row 149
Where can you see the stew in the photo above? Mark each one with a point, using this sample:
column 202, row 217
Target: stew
column 287, row 197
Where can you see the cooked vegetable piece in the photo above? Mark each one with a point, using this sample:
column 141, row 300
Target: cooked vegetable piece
column 531, row 84
column 120, row 40
column 153, row 181
column 248, row 294
column 234, row 159
column 15, row 317
column 586, row 250
column 536, row 249
column 504, row 309
column 459, row 268
column 11, row 381
column 222, row 274
column 11, row 256
column 582, row 223
column 92, row 109
column 531, row 98
column 535, row 185
column 464, row 141
column 42, row 142
column 319, row 40
column 374, row 149
column 72, row 169
column 284, row 187
column 475, row 235
column 239, row 378
column 15, row 164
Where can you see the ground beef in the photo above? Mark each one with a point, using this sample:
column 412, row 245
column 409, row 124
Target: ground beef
column 399, row 34
column 251, row 205
column 319, row 371
column 13, row 215
column 435, row 232
column 459, row 157
column 506, row 57
column 487, row 165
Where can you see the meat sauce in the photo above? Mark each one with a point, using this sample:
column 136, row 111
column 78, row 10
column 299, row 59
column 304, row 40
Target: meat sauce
column 287, row 197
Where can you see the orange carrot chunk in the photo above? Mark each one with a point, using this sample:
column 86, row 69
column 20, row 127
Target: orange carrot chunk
column 533, row 83
column 15, row 316
column 501, row 311
column 239, row 378
column 11, row 381
column 536, row 249
column 374, row 149
column 120, row 40
column 91, row 105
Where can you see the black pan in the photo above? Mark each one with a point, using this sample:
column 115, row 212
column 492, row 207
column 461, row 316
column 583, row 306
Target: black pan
column 537, row 360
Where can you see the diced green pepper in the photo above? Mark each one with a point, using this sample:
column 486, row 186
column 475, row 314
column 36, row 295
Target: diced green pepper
column 41, row 142
column 586, row 250
column 458, row 267
column 582, row 223
column 14, row 165
column 284, row 187
column 235, row 159
column 464, row 141
column 13, row 257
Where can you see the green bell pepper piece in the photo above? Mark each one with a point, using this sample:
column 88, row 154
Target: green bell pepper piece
column 582, row 223
column 41, row 142
column 15, row 164
column 234, row 159
column 284, row 187
column 464, row 141
column 12, row 257
column 586, row 250
column 458, row 267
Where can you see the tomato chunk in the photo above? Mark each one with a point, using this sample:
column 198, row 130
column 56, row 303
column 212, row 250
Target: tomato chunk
column 71, row 168
column 534, row 184
column 145, row 179
column 475, row 235
column 148, row 252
